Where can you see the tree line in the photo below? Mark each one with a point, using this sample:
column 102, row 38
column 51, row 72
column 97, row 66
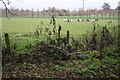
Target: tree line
column 52, row 11
column 59, row 12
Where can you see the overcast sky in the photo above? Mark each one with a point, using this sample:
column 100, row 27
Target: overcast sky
column 60, row 4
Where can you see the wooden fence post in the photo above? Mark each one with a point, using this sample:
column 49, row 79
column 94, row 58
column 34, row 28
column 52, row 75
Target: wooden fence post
column 102, row 43
column 7, row 42
column 118, row 45
column 59, row 29
column 68, row 35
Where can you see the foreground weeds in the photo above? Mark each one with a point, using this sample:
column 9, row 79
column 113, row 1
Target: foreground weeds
column 52, row 55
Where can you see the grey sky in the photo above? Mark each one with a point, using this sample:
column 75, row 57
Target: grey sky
column 60, row 4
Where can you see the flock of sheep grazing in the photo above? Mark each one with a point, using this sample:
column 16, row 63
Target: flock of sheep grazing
column 67, row 20
column 80, row 20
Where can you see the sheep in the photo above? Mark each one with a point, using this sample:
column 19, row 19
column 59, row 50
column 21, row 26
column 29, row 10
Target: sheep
column 87, row 20
column 96, row 19
column 67, row 20
column 79, row 20
column 93, row 20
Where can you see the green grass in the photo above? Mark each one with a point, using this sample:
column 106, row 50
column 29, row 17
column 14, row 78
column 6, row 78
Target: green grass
column 27, row 25
column 21, row 29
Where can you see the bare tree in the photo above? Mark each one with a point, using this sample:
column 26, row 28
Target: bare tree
column 6, row 8
column 118, row 8
column 38, row 13
column 43, row 12
column 106, row 6
column 32, row 13
column 22, row 12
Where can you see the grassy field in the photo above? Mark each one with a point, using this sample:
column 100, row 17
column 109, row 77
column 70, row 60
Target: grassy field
column 19, row 27
column 27, row 25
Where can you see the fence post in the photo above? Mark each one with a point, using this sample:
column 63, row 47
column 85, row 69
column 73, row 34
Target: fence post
column 118, row 45
column 59, row 29
column 68, row 35
column 102, row 43
column 7, row 43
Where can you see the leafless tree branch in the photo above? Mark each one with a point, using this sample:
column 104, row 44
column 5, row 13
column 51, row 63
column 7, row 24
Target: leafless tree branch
column 6, row 9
